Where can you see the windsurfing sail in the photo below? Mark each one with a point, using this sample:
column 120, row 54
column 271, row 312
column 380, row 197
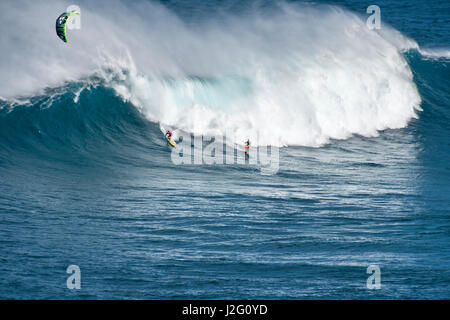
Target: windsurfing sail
column 61, row 24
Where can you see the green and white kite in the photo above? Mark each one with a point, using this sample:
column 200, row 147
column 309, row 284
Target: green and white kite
column 61, row 24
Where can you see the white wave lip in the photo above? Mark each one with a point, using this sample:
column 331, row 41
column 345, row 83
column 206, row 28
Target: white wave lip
column 435, row 52
column 299, row 76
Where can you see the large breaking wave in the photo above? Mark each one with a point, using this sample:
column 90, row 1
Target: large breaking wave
column 291, row 75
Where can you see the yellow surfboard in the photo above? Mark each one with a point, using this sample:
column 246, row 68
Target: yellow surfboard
column 171, row 142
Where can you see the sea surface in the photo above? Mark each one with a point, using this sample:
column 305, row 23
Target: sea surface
column 358, row 121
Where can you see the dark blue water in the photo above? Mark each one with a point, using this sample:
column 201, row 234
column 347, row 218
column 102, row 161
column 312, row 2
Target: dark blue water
column 90, row 182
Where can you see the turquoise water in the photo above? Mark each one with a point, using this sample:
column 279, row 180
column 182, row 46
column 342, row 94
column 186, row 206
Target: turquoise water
column 87, row 179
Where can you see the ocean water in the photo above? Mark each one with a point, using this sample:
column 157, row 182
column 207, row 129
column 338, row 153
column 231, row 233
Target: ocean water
column 358, row 121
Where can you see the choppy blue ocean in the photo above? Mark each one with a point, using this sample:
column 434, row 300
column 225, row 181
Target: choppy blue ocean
column 360, row 119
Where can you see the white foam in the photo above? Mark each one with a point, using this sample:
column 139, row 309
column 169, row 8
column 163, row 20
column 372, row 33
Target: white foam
column 297, row 82
column 435, row 52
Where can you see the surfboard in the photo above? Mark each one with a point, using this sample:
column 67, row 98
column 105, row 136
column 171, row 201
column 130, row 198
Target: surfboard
column 169, row 140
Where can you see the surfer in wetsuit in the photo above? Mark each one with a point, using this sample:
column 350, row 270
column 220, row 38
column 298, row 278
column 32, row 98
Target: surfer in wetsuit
column 247, row 147
column 169, row 134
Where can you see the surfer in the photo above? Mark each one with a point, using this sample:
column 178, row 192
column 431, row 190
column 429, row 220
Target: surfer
column 247, row 145
column 168, row 136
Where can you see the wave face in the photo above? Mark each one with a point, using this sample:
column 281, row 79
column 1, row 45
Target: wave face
column 295, row 75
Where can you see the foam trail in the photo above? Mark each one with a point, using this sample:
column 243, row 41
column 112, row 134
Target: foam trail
column 299, row 75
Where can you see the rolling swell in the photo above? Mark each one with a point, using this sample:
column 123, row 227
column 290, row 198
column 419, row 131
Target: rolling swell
column 77, row 123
